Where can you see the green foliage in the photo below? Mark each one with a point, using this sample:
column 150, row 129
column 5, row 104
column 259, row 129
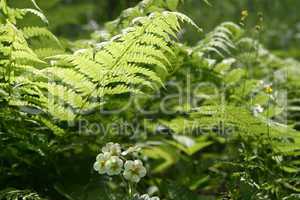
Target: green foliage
column 13, row 194
column 209, row 124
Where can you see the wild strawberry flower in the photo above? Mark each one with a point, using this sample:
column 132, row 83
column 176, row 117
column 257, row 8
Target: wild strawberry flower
column 144, row 197
column 134, row 170
column 114, row 166
column 113, row 148
column 100, row 163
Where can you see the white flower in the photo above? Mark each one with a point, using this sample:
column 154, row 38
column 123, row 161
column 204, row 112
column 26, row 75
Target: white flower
column 257, row 109
column 144, row 197
column 134, row 171
column 114, row 166
column 101, row 160
column 113, row 149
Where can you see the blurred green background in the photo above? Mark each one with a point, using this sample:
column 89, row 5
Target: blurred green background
column 281, row 18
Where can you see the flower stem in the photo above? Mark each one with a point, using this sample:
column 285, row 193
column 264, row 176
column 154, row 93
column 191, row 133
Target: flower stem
column 130, row 193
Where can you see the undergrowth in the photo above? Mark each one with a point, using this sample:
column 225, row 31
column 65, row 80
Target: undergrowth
column 217, row 120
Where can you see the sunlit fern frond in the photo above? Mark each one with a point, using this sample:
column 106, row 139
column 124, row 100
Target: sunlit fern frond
column 139, row 56
column 241, row 121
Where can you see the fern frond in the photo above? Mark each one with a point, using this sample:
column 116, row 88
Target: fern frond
column 73, row 79
column 30, row 32
column 151, row 52
column 126, row 79
column 85, row 65
column 150, row 38
column 119, row 89
column 57, row 110
column 244, row 122
column 23, row 55
column 14, row 194
column 36, row 13
column 65, row 94
column 47, row 52
column 131, row 69
column 220, row 40
column 136, row 57
column 184, row 18
column 147, row 60
column 35, row 5
column 54, row 128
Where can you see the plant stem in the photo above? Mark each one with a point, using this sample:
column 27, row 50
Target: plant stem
column 130, row 190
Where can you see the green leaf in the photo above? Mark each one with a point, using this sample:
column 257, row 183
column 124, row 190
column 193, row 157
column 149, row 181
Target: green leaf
column 172, row 4
column 234, row 76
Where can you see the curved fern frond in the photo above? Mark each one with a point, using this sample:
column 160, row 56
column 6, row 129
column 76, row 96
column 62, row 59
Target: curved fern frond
column 184, row 18
column 30, row 32
column 220, row 40
column 140, row 55
column 36, row 13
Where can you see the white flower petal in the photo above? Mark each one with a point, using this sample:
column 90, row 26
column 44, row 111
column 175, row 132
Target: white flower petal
column 142, row 172
column 112, row 148
column 114, row 166
column 129, row 164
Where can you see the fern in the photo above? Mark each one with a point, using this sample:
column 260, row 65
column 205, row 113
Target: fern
column 30, row 32
column 142, row 9
column 44, row 86
column 138, row 56
column 20, row 73
column 14, row 194
column 220, row 40
column 238, row 121
column 134, row 58
column 36, row 13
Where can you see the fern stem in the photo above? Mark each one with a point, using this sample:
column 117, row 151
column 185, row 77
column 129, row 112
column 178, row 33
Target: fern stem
column 11, row 60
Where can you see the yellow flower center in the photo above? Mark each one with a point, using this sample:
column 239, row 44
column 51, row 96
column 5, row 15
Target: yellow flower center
column 268, row 90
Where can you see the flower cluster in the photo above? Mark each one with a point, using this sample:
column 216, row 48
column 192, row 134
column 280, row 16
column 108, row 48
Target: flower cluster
column 111, row 162
column 144, row 197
